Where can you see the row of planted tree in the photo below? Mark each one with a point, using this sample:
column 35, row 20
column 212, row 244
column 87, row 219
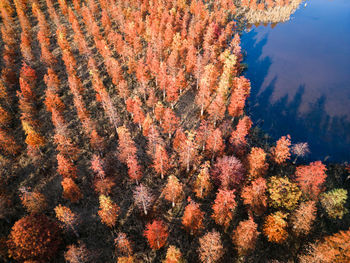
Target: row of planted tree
column 137, row 109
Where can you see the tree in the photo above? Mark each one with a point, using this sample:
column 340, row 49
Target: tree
column 217, row 108
column 169, row 121
column 333, row 248
column 283, row 193
column 188, row 151
column 173, row 255
column 70, row 190
column 67, row 217
column 224, row 207
column 156, row 234
column 229, row 171
column 238, row 136
column 34, row 237
column 34, row 202
column 257, row 162
column 65, row 167
column 303, row 218
column 173, row 191
column 281, row 152
column 143, row 197
column 275, row 227
column 245, row 236
column 254, row 195
column 202, row 186
column 300, row 150
column 333, row 203
column 161, row 160
column 210, row 247
column 77, row 254
column 122, row 245
column 108, row 211
column 193, row 217
column 215, row 143
column 310, row 178
column 241, row 90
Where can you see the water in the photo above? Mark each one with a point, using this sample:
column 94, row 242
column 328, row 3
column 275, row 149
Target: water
column 300, row 75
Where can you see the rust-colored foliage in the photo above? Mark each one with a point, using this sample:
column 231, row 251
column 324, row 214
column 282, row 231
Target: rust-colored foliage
column 241, row 90
column 77, row 254
column 70, row 190
column 156, row 234
column 173, row 191
column 229, row 171
column 254, row 195
column 257, row 164
column 238, row 135
column 34, row 237
column 283, row 193
column 34, row 202
column 129, row 259
column 104, row 185
column 173, row 255
column 67, row 217
column 303, row 218
column 214, row 142
column 211, row 248
column 193, row 217
column 8, row 143
column 281, row 152
column 122, row 245
column 65, row 167
column 188, row 151
column 245, row 236
column 310, row 179
column 334, row 249
column 108, row 211
column 143, row 197
column 275, row 227
column 202, row 186
column 170, row 121
column 224, row 207
column 161, row 161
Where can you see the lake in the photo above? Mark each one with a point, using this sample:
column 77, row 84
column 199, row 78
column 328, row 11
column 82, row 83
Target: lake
column 300, row 75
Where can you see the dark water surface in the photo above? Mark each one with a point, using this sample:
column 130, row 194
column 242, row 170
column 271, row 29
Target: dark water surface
column 300, row 74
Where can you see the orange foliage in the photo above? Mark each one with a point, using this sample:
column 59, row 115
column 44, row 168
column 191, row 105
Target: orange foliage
column 193, row 217
column 310, row 178
column 202, row 185
column 34, row 237
column 156, row 234
column 77, row 254
column 257, row 162
column 281, row 152
column 173, row 255
column 70, row 190
column 122, row 245
column 161, row 160
column 224, row 207
column 173, row 190
column 245, row 236
column 34, row 202
column 238, row 136
column 254, row 195
column 275, row 227
column 303, row 218
column 211, row 248
column 67, row 217
column 241, row 90
column 108, row 211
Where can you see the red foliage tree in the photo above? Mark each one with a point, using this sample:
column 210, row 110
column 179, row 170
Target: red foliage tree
column 33, row 201
column 245, row 236
column 193, row 217
column 215, row 143
column 156, row 234
column 254, row 195
column 241, row 90
column 161, row 162
column 310, row 178
column 65, row 167
column 170, row 121
column 303, row 218
column 229, row 171
column 238, row 136
column 224, row 207
column 275, row 227
column 211, row 248
column 70, row 190
column 34, row 237
column 257, row 162
column 281, row 152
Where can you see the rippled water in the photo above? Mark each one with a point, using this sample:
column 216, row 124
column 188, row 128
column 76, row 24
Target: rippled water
column 300, row 74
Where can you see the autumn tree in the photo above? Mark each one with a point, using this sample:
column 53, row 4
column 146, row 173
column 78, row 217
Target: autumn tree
column 239, row 134
column 143, row 197
column 161, row 162
column 229, row 171
column 170, row 121
column 245, row 236
column 275, row 227
column 188, row 151
column 202, row 185
column 77, row 253
column 173, row 255
column 34, row 237
column 303, row 218
column 192, row 218
column 215, row 143
column 333, row 202
column 254, row 195
column 122, row 245
column 173, row 190
column 108, row 211
column 224, row 207
column 70, row 190
column 281, row 152
column 210, row 247
column 33, row 201
column 310, row 179
column 257, row 164
column 241, row 90
column 67, row 217
column 156, row 234
column 283, row 193
column 300, row 150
